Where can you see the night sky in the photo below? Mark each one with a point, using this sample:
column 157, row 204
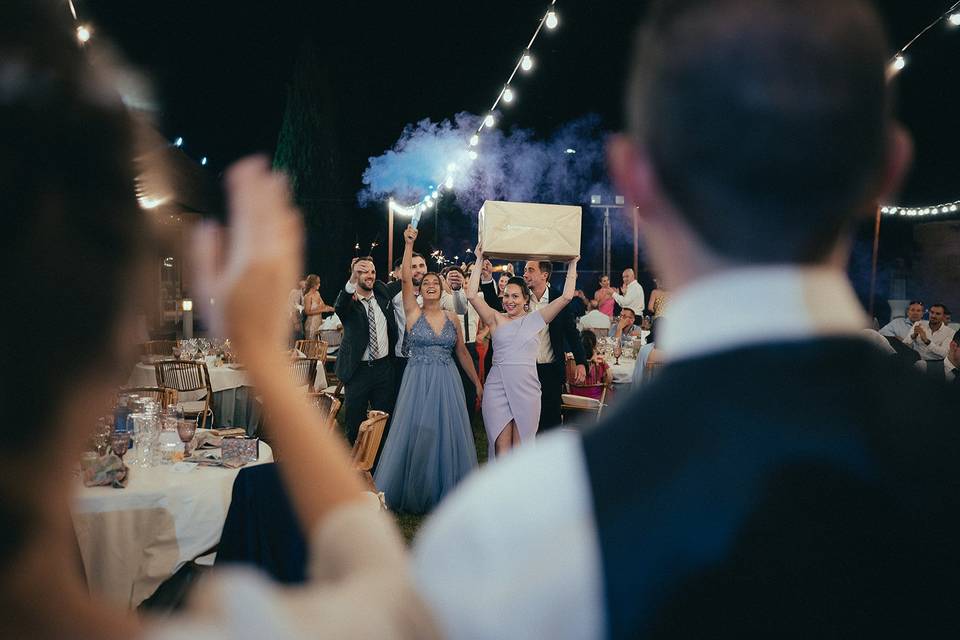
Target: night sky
column 220, row 70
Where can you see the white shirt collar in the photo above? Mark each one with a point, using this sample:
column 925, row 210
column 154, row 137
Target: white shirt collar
column 758, row 305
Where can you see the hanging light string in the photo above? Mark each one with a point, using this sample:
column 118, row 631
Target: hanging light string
column 899, row 60
column 524, row 63
column 84, row 32
column 897, row 63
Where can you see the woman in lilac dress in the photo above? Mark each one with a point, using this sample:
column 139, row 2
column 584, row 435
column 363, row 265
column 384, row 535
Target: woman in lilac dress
column 511, row 398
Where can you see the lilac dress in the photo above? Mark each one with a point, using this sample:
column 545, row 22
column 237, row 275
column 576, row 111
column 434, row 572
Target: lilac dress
column 512, row 389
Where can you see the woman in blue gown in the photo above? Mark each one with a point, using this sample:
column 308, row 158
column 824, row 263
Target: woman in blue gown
column 430, row 446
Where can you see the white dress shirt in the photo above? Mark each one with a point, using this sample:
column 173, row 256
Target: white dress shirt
column 514, row 552
column 939, row 341
column 897, row 328
column 632, row 298
column 949, row 369
column 383, row 336
column 469, row 318
column 545, row 355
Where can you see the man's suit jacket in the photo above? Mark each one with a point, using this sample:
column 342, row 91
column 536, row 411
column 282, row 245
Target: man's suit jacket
column 809, row 485
column 564, row 336
column 356, row 327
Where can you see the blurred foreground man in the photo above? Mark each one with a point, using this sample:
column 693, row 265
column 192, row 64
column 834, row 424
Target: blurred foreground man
column 781, row 477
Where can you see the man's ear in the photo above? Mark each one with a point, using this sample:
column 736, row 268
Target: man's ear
column 631, row 171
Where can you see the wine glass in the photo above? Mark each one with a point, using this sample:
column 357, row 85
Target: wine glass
column 119, row 443
column 186, row 430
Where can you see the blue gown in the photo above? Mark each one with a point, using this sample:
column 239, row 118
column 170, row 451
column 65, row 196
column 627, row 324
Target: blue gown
column 430, row 445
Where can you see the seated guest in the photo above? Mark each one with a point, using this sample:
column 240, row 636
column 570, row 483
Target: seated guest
column 930, row 338
column 72, row 231
column 945, row 369
column 598, row 371
column 626, row 326
column 579, row 304
column 902, row 327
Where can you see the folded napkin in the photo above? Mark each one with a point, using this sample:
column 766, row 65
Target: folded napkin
column 104, row 471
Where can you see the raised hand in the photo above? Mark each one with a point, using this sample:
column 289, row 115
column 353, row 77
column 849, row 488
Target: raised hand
column 410, row 234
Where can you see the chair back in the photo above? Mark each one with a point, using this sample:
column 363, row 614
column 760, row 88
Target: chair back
column 163, row 395
column 333, row 337
column 303, row 370
column 329, row 407
column 158, row 348
column 368, row 440
column 313, row 349
column 575, row 403
column 183, row 375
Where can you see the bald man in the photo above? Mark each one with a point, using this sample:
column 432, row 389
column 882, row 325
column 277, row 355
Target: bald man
column 631, row 293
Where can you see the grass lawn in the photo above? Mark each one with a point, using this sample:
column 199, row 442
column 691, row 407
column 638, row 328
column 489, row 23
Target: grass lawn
column 409, row 524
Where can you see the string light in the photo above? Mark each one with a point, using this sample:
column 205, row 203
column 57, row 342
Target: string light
column 526, row 62
column 506, row 95
column 178, row 142
column 950, row 16
column 83, row 34
column 954, row 19
column 936, row 210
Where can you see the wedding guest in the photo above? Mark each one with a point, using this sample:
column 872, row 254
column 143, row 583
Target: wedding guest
column 658, row 299
column 603, row 298
column 901, row 327
column 511, row 402
column 598, row 371
column 930, row 338
column 631, row 293
column 626, row 326
column 502, row 283
column 295, row 307
column 781, row 461
column 430, row 447
column 365, row 308
column 313, row 307
column 72, row 230
column 946, row 369
column 556, row 339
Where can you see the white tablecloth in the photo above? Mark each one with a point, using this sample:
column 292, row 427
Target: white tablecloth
column 623, row 372
column 221, row 378
column 133, row 539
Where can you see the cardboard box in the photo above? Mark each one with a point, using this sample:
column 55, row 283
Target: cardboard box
column 526, row 231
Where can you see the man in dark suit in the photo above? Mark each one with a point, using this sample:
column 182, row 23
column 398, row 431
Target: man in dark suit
column 780, row 476
column 365, row 307
column 559, row 338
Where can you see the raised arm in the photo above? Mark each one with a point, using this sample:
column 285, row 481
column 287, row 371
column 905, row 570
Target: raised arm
column 345, row 297
column 411, row 309
column 486, row 313
column 569, row 289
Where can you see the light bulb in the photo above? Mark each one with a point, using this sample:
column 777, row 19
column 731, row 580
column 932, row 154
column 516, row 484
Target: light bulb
column 508, row 95
column 473, row 155
column 178, row 142
column 203, row 161
column 526, row 62
column 954, row 19
column 83, row 34
column 449, row 183
column 434, row 194
column 899, row 62
column 552, row 20
column 474, row 140
column 489, row 121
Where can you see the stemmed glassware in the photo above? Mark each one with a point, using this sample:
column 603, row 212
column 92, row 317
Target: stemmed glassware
column 186, row 430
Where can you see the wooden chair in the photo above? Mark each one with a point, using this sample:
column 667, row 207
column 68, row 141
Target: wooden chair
column 367, row 444
column 329, row 407
column 303, row 370
column 314, row 349
column 186, row 376
column 333, row 337
column 571, row 403
column 163, row 395
column 158, row 348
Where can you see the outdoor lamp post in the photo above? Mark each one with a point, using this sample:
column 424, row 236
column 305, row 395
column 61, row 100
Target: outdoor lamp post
column 187, row 306
column 596, row 202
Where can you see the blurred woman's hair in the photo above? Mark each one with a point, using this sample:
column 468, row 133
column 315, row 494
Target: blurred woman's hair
column 72, row 235
column 313, row 280
column 589, row 341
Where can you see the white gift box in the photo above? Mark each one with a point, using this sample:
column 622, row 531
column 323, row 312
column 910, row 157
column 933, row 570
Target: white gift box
column 527, row 231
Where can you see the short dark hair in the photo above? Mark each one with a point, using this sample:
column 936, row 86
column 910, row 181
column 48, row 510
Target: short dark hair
column 399, row 261
column 956, row 337
column 361, row 259
column 545, row 266
column 589, row 341
column 938, row 304
column 767, row 122
column 913, row 302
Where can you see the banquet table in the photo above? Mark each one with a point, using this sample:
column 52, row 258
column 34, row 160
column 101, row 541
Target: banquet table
column 133, row 539
column 234, row 404
column 622, row 373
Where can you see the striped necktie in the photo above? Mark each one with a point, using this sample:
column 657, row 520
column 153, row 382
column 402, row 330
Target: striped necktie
column 374, row 345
